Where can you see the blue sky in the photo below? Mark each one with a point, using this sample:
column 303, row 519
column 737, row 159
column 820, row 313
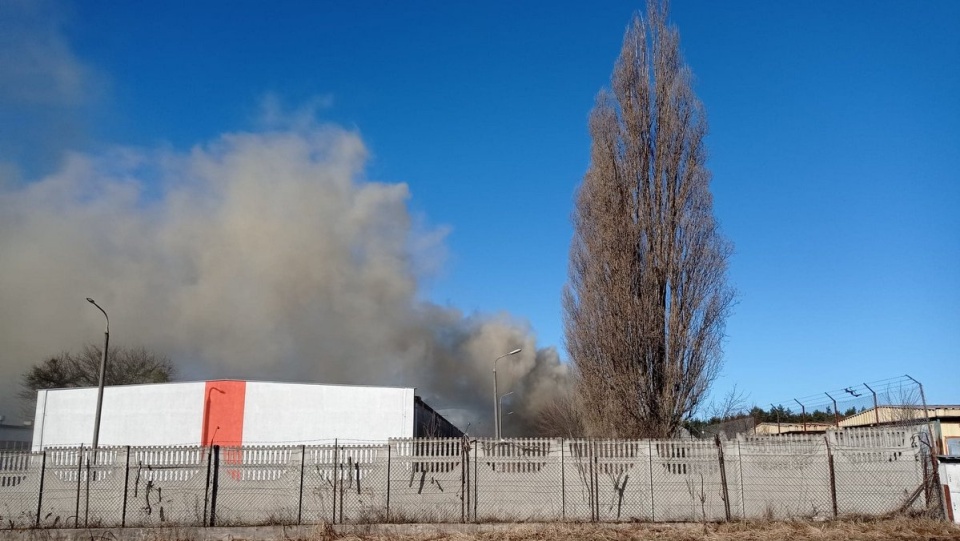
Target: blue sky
column 835, row 139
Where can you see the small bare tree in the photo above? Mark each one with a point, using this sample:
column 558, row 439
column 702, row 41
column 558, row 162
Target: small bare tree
column 647, row 297
column 561, row 417
column 730, row 406
column 126, row 366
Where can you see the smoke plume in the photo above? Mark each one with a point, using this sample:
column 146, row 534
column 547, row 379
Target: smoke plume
column 262, row 255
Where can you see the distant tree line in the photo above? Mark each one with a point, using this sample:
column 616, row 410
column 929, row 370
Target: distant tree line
column 786, row 415
column 759, row 415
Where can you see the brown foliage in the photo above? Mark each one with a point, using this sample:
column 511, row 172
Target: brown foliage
column 647, row 296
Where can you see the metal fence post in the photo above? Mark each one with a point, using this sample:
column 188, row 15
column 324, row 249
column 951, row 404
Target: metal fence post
column 931, row 483
column 876, row 407
column 743, row 499
column 836, row 412
column 596, row 485
column 86, row 492
column 43, row 472
column 76, row 514
column 833, row 477
column 215, row 486
column 206, row 488
column 563, row 485
column 723, row 478
column 303, row 466
column 464, row 484
column 126, row 484
column 476, row 474
column 471, row 480
column 336, row 447
column 592, row 460
column 388, row 480
column 803, row 414
column 340, row 464
column 653, row 508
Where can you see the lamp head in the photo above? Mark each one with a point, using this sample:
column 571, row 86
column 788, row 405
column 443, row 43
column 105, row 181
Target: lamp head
column 514, row 352
column 90, row 300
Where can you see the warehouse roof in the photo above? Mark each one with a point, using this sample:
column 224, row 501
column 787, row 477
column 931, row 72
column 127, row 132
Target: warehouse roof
column 898, row 414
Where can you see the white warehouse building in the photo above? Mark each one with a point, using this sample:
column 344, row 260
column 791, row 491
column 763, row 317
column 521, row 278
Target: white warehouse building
column 233, row 413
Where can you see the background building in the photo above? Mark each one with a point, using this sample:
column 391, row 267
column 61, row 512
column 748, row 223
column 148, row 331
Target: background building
column 792, row 428
column 14, row 436
column 944, row 421
column 233, row 412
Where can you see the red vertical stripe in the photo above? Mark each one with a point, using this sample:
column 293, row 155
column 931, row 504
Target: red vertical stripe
column 223, row 412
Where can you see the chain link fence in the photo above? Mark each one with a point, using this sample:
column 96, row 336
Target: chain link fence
column 784, row 476
column 871, row 471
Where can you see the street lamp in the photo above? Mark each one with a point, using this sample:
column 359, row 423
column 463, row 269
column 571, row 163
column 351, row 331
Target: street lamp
column 496, row 395
column 500, row 414
column 103, row 370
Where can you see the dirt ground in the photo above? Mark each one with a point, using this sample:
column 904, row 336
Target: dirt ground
column 894, row 529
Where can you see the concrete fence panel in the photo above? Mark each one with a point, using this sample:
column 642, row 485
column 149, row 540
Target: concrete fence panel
column 168, row 486
column 517, row 479
column 850, row 472
column 426, row 480
column 785, row 477
column 20, row 476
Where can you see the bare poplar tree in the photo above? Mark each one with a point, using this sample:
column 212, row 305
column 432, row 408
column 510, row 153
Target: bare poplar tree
column 647, row 298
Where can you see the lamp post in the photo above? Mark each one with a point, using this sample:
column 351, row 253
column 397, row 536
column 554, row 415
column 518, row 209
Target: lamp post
column 103, row 370
column 500, row 412
column 496, row 395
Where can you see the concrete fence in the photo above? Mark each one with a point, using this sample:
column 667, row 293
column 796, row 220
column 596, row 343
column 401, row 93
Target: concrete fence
column 861, row 471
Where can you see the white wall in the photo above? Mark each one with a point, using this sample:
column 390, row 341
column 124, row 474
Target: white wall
column 161, row 414
column 273, row 413
column 300, row 413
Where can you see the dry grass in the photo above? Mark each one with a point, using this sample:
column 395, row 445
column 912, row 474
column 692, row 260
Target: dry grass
column 876, row 529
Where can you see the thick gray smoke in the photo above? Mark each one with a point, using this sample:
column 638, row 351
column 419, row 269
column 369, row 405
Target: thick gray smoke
column 259, row 255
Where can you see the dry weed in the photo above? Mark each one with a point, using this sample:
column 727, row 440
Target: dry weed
column 900, row 529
